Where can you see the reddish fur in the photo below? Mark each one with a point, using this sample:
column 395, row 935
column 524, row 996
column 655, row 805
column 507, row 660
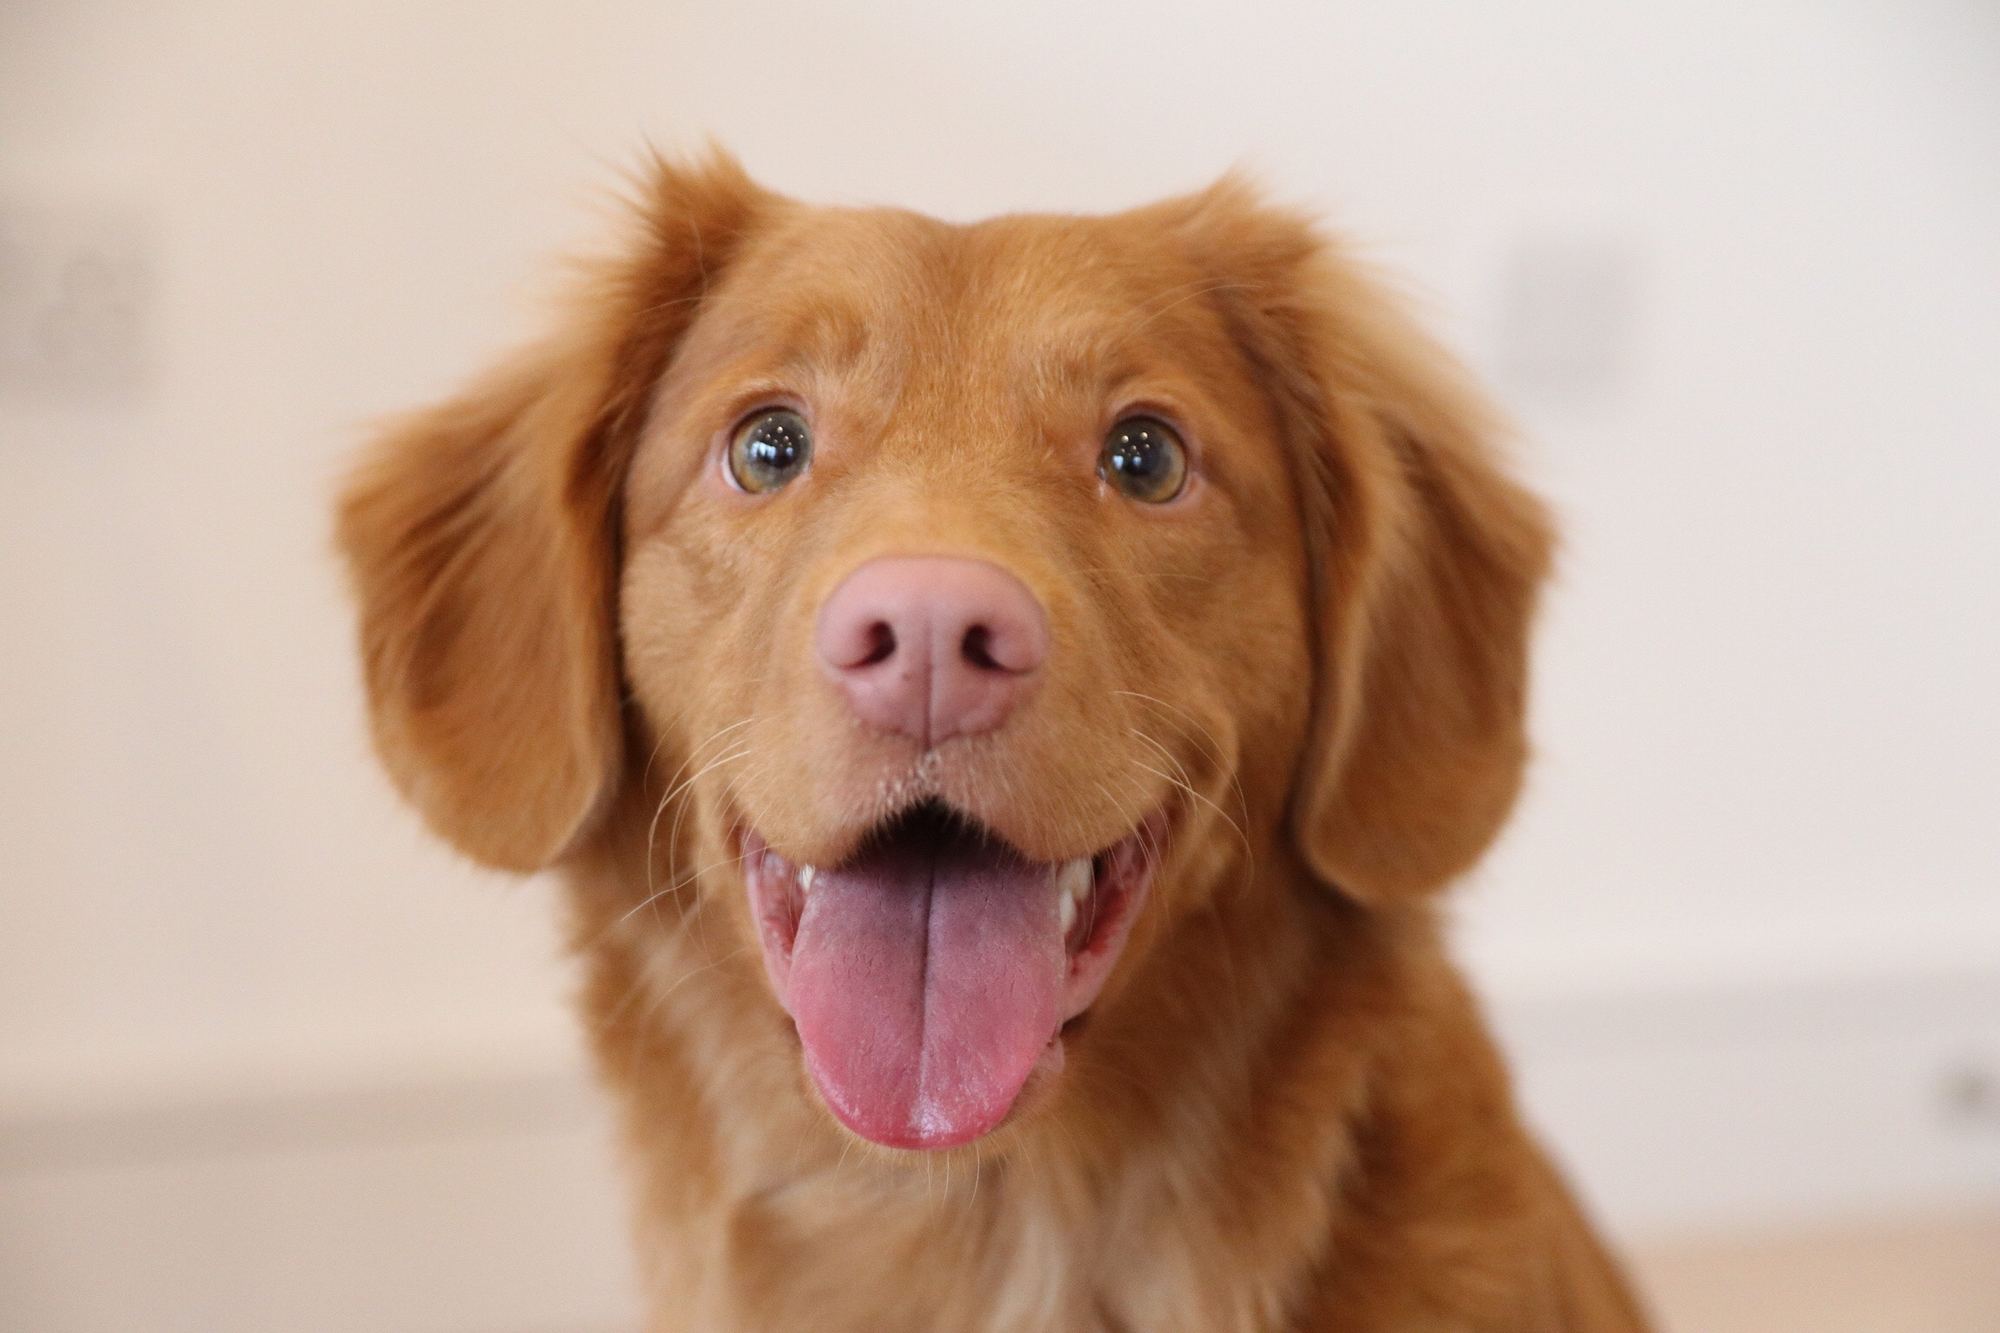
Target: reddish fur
column 1283, row 1112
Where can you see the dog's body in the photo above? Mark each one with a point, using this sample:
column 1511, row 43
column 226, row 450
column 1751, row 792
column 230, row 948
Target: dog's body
column 811, row 495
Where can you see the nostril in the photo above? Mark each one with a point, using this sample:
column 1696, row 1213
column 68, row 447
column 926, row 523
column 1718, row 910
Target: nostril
column 977, row 648
column 931, row 647
column 881, row 640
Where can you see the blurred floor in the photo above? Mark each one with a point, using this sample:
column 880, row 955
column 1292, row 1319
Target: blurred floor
column 1911, row 1275
column 495, row 1205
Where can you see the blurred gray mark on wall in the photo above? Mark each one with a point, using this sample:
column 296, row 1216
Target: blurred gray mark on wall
column 1970, row 1093
column 1569, row 310
column 77, row 286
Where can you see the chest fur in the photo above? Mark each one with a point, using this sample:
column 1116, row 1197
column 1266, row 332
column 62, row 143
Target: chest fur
column 985, row 1251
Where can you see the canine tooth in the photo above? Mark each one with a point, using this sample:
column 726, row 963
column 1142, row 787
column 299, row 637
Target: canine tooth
column 806, row 875
column 1072, row 887
column 1073, row 880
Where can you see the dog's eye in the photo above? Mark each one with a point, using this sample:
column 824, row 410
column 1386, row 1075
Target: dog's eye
column 1144, row 458
column 769, row 450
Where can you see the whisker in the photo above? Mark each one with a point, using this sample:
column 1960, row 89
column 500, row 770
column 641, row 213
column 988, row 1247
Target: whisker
column 693, row 753
column 1191, row 727
column 1183, row 785
column 660, row 1000
column 682, row 883
column 674, row 787
column 685, row 786
column 1199, row 292
column 674, row 834
column 1188, row 291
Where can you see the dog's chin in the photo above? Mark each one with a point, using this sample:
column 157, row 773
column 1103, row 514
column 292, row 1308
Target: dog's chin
column 933, row 972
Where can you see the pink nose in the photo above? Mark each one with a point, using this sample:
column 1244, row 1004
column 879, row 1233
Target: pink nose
column 932, row 646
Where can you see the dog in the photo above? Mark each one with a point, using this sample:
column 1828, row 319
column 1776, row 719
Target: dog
column 1005, row 700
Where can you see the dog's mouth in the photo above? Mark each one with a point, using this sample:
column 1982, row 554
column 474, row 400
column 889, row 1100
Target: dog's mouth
column 932, row 972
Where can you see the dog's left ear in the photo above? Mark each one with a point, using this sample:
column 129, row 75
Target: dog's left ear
column 1425, row 561
column 481, row 539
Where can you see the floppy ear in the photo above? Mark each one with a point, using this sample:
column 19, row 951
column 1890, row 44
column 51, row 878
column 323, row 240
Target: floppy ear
column 1425, row 561
column 1419, row 742
column 481, row 540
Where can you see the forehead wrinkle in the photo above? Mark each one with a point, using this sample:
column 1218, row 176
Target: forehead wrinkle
column 1076, row 361
column 1029, row 344
column 1072, row 315
column 828, row 337
column 843, row 291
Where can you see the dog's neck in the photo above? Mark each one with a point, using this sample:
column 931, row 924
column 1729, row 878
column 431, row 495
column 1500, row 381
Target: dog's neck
column 1185, row 1184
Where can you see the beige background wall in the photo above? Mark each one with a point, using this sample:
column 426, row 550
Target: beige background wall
column 1731, row 266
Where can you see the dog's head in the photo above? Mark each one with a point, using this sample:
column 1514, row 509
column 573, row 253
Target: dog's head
column 975, row 604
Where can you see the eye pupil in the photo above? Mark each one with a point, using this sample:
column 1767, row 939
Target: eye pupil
column 775, row 446
column 1144, row 458
column 769, row 450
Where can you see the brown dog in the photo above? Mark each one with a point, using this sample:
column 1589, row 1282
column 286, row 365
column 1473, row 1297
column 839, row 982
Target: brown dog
column 1004, row 698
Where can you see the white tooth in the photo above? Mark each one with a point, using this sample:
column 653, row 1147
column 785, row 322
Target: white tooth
column 1072, row 887
column 1074, row 878
column 806, row 874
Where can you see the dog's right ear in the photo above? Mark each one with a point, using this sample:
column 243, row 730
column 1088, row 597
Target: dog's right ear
column 481, row 539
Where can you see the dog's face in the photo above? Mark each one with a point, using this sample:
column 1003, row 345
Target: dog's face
column 991, row 603
column 964, row 565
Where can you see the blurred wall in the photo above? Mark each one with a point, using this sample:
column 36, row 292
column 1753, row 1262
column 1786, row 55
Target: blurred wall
column 1731, row 267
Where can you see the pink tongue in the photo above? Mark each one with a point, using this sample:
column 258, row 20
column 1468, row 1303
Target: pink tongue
column 925, row 982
